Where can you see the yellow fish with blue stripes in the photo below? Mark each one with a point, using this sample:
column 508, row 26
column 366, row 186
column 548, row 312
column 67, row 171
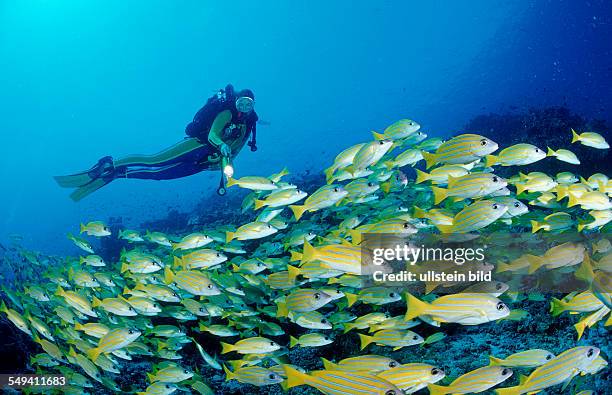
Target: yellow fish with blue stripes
column 560, row 369
column 461, row 149
column 461, row 308
column 477, row 215
column 324, row 197
column 516, row 155
column 477, row 380
column 337, row 382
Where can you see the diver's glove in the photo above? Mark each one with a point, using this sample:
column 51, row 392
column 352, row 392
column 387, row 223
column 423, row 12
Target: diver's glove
column 252, row 145
column 225, row 150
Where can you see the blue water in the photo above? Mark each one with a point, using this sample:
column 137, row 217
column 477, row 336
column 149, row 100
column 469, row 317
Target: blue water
column 80, row 80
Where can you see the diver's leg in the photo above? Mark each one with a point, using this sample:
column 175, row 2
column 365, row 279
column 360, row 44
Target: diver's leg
column 191, row 161
column 174, row 154
column 169, row 172
column 106, row 170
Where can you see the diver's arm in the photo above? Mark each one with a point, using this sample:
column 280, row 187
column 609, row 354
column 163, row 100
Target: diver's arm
column 218, row 125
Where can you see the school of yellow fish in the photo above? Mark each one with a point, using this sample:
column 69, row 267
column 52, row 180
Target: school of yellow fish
column 300, row 261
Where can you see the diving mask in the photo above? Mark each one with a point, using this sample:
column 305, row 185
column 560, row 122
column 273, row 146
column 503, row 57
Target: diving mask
column 245, row 104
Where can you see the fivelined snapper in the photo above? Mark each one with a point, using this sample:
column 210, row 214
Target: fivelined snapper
column 310, row 340
column 546, row 200
column 411, row 140
column 345, row 257
column 372, row 364
column 348, row 174
column 251, row 231
column 366, row 321
column 584, row 302
column 565, row 177
column 369, row 154
column 144, row 306
column 254, row 183
column 590, row 139
column 337, row 382
column 280, row 198
column 16, row 319
column 298, row 238
column 373, row 295
column 478, row 380
column 461, row 149
column 301, row 300
column 269, row 214
column 594, row 200
column 553, row 222
column 524, row 359
column 564, row 155
column 254, row 375
column 85, row 364
column 475, row 216
column 440, row 175
column 591, row 320
column 96, row 228
column 82, row 278
column 398, row 130
column 408, row 157
column 461, row 308
column 310, row 320
column 158, row 238
column 342, row 160
column 325, row 196
column 192, row 281
column 395, row 338
column 600, row 218
column 539, row 183
column 469, row 186
column 575, row 190
column 393, row 226
column 200, row 259
column 115, row 339
column 516, row 155
column 155, row 291
column 396, row 322
column 170, row 374
column 76, row 301
column 560, row 369
column 411, row 377
column 92, row 260
column 359, row 188
column 595, row 180
column 37, row 324
column 431, row 144
column 130, row 235
column 436, row 216
column 115, row 306
column 566, row 254
column 138, row 262
column 81, row 243
column 194, row 240
column 251, row 345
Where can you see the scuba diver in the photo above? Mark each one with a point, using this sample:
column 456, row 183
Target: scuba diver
column 216, row 135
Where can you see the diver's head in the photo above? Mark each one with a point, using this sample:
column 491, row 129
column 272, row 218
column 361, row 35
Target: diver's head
column 245, row 101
